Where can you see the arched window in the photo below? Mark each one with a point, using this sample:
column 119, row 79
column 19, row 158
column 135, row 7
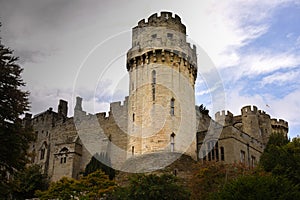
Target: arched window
column 172, row 142
column 172, row 107
column 43, row 150
column 63, row 152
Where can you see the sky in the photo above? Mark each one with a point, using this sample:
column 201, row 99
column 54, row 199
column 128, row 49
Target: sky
column 76, row 47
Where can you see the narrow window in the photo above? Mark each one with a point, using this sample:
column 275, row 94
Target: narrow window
column 153, row 84
column 172, row 142
column 172, row 105
column 153, row 36
column 42, row 154
column 153, row 92
column 242, row 156
column 222, row 154
column 212, row 151
column 132, row 150
column 204, row 154
column 253, row 160
column 133, row 117
column 209, row 150
column 217, row 151
column 153, row 77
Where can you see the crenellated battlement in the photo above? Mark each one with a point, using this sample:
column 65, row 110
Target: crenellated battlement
column 178, row 60
column 249, row 110
column 165, row 19
column 224, row 117
column 119, row 105
column 279, row 123
column 161, row 33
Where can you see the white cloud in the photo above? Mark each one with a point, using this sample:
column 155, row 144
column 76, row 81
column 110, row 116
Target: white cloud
column 281, row 77
column 267, row 62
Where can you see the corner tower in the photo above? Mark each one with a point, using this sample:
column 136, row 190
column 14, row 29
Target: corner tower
column 162, row 69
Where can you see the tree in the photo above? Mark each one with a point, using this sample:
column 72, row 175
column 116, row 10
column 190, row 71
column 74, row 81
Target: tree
column 14, row 138
column 203, row 110
column 64, row 189
column 152, row 187
column 95, row 164
column 94, row 186
column 210, row 177
column 257, row 186
column 283, row 160
column 27, row 181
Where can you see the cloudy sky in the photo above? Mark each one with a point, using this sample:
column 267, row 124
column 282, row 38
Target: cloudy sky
column 77, row 47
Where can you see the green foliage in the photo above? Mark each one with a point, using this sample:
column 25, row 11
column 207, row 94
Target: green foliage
column 93, row 186
column 64, row 189
column 277, row 139
column 257, row 186
column 283, row 160
column 95, row 164
column 152, row 187
column 27, row 181
column 203, row 110
column 14, row 138
column 212, row 176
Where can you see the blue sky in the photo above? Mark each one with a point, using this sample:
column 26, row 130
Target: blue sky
column 254, row 45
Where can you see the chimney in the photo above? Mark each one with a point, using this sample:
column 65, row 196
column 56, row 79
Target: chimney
column 63, row 108
column 78, row 105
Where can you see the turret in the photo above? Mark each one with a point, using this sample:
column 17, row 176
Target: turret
column 78, row 112
column 250, row 121
column 162, row 69
column 280, row 126
column 223, row 118
column 265, row 126
column 162, row 39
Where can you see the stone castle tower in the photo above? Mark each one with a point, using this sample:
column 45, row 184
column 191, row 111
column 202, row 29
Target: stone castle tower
column 157, row 122
column 162, row 69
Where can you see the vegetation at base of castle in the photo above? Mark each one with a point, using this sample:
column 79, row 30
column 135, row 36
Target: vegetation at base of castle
column 95, row 164
column 14, row 138
column 276, row 177
column 151, row 187
column 282, row 158
column 27, row 181
column 203, row 110
column 210, row 177
column 258, row 186
column 93, row 186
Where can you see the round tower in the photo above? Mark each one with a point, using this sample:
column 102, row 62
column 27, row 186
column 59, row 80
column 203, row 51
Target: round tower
column 280, row 126
column 162, row 69
column 250, row 121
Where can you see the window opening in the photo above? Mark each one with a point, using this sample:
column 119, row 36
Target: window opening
column 172, row 105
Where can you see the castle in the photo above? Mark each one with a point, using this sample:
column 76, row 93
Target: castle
column 159, row 117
